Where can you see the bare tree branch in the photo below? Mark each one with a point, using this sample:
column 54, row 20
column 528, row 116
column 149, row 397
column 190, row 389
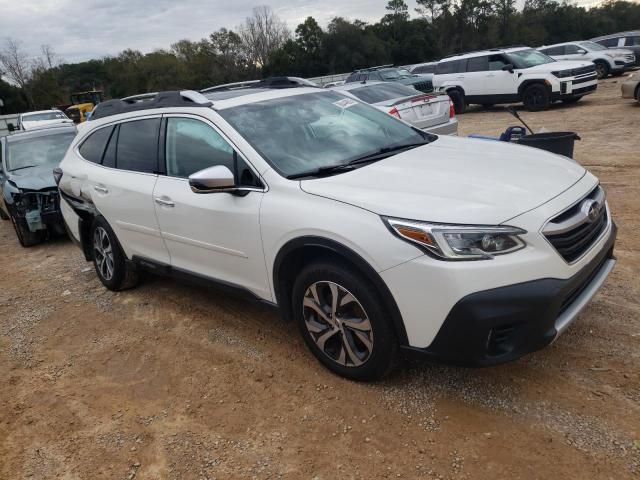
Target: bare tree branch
column 262, row 33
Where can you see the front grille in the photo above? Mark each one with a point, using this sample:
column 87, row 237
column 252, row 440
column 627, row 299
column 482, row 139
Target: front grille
column 424, row 86
column 573, row 232
column 583, row 70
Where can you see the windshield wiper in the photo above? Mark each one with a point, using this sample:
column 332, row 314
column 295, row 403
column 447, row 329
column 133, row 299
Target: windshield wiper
column 20, row 168
column 384, row 152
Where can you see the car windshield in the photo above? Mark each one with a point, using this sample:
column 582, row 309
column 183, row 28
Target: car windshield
column 528, row 58
column 299, row 133
column 394, row 73
column 37, row 117
column 383, row 92
column 37, row 151
column 592, row 46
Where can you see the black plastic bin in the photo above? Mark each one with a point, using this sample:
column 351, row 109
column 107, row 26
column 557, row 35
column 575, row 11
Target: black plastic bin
column 555, row 142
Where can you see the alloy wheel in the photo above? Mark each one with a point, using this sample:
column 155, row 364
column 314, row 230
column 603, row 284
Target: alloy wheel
column 103, row 253
column 338, row 324
column 601, row 70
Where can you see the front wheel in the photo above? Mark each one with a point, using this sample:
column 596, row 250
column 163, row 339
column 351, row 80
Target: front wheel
column 602, row 70
column 110, row 262
column 343, row 321
column 536, row 97
column 26, row 237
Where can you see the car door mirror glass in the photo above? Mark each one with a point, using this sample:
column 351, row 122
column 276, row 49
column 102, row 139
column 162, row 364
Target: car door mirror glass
column 508, row 68
column 582, row 52
column 213, row 179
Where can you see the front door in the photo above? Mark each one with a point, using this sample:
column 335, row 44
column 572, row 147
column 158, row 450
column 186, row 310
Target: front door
column 216, row 235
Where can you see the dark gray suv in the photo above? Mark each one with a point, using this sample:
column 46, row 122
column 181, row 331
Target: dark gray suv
column 627, row 40
column 389, row 73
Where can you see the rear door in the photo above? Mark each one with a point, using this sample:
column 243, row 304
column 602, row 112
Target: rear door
column 121, row 168
column 216, row 235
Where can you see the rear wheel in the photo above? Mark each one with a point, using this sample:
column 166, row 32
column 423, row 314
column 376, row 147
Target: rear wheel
column 459, row 103
column 26, row 237
column 536, row 97
column 343, row 321
column 110, row 262
column 602, row 69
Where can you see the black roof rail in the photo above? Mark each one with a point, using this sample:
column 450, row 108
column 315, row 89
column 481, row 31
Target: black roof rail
column 148, row 101
column 495, row 49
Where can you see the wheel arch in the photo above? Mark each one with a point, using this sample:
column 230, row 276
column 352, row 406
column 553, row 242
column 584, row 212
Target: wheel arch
column 533, row 81
column 300, row 251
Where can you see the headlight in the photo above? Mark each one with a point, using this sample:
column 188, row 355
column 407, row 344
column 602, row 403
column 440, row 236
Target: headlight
column 562, row 74
column 458, row 242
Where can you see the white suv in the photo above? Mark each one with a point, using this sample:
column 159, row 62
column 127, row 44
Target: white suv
column 513, row 75
column 369, row 234
column 606, row 60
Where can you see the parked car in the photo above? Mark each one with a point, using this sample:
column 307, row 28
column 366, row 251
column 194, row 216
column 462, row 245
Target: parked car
column 626, row 40
column 426, row 69
column 28, row 192
column 430, row 112
column 368, row 233
column 607, row 61
column 631, row 87
column 389, row 73
column 511, row 75
column 42, row 119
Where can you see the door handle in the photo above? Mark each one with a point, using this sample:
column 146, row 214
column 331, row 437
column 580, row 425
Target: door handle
column 165, row 202
column 100, row 189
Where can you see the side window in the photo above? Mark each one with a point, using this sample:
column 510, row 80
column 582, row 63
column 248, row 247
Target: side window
column 609, row 42
column 138, row 146
column 496, row 62
column 478, row 64
column 93, row 147
column 632, row 41
column 192, row 145
column 571, row 49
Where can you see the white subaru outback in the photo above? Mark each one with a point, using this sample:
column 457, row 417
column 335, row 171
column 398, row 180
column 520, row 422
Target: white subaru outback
column 371, row 235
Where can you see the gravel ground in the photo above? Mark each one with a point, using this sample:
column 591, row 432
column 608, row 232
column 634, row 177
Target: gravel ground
column 178, row 382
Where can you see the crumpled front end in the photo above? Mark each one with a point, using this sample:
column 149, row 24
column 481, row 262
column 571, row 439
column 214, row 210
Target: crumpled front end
column 40, row 209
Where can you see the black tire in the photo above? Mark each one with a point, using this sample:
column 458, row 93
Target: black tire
column 571, row 100
column 378, row 358
column 602, row 69
column 26, row 237
column 536, row 97
column 459, row 103
column 487, row 105
column 112, row 267
column 3, row 215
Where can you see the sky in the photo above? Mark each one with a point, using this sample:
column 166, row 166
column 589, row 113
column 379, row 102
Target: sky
column 79, row 30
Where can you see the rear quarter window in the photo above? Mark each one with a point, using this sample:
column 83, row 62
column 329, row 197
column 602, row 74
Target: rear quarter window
column 93, row 147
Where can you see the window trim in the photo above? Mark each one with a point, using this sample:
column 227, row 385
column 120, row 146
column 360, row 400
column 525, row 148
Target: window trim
column 208, row 122
column 76, row 149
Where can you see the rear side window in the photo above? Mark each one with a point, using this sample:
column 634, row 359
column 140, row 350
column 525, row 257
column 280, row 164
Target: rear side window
column 93, row 147
column 451, row 66
column 632, row 42
column 478, row 64
column 138, row 146
column 553, row 51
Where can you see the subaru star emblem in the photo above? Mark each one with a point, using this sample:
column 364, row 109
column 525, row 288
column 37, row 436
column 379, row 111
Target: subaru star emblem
column 591, row 209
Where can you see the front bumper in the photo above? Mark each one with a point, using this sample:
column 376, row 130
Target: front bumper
column 502, row 324
column 629, row 89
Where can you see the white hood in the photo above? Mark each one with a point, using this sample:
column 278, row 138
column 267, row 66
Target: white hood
column 557, row 66
column 454, row 180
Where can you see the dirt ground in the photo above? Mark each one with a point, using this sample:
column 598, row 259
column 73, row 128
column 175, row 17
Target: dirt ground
column 175, row 381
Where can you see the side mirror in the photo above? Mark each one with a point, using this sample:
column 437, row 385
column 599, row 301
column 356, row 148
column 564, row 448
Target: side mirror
column 508, row 68
column 212, row 179
column 11, row 127
column 582, row 52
